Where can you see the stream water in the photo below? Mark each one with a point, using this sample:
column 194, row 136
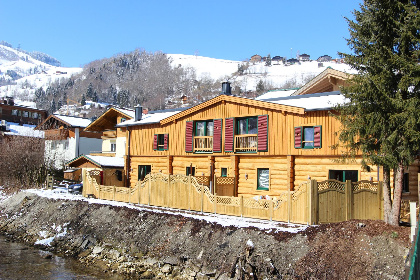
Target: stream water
column 19, row 261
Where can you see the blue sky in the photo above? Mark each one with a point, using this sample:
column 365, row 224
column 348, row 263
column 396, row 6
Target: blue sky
column 77, row 32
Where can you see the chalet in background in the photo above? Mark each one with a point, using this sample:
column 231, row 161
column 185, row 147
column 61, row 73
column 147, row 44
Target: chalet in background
column 66, row 140
column 11, row 112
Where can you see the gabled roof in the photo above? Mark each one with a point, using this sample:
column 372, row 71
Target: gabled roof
column 66, row 121
column 99, row 161
column 234, row 99
column 152, row 117
column 327, row 80
column 108, row 120
column 312, row 102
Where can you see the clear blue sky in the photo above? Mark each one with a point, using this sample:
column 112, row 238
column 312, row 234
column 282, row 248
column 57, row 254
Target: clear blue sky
column 77, row 32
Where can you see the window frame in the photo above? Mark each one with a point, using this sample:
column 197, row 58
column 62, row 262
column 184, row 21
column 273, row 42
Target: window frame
column 223, row 172
column 113, row 147
column 160, row 144
column 343, row 171
column 189, row 171
column 206, row 122
column 237, row 120
column 145, row 167
column 302, row 137
column 258, row 179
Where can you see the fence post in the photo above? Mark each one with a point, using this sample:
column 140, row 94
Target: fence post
column 215, row 204
column 189, row 192
column 129, row 194
column 113, row 192
column 167, row 191
column 349, row 202
column 270, row 209
column 202, row 198
column 214, row 184
column 313, row 208
column 138, row 190
column 242, row 206
column 149, row 188
column 380, row 195
column 289, row 205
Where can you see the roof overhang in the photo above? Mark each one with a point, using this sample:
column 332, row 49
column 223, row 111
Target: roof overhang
column 107, row 121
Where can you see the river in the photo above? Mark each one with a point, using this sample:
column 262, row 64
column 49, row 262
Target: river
column 19, row 261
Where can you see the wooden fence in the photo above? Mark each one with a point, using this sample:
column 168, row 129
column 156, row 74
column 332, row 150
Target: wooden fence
column 310, row 203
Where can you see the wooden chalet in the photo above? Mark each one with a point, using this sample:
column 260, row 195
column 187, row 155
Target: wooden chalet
column 11, row 112
column 110, row 171
column 65, row 138
column 267, row 147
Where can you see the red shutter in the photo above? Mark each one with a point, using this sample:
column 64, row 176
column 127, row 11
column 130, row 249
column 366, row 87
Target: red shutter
column 229, row 134
column 165, row 141
column 189, row 136
column 155, row 142
column 317, row 137
column 217, row 135
column 263, row 133
column 298, row 137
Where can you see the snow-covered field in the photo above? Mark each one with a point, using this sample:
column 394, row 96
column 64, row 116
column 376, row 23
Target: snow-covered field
column 223, row 220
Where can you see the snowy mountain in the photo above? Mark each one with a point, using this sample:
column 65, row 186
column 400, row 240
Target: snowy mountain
column 276, row 75
column 21, row 74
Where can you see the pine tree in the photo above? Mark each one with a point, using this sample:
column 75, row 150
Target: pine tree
column 382, row 117
column 268, row 60
column 83, row 102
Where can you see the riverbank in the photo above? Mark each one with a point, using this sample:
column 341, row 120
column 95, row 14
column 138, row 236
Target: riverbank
column 151, row 242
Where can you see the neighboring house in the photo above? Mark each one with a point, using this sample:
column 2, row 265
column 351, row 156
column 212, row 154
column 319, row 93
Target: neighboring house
column 326, row 81
column 324, row 58
column 267, row 146
column 292, row 61
column 113, row 139
column 110, row 169
column 277, row 59
column 65, row 139
column 256, row 58
column 304, row 57
column 11, row 112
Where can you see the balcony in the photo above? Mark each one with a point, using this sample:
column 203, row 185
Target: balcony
column 56, row 134
column 203, row 144
column 246, row 143
column 109, row 134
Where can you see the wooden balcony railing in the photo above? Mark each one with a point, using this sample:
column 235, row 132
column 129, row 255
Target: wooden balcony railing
column 203, row 143
column 109, row 134
column 56, row 134
column 246, row 143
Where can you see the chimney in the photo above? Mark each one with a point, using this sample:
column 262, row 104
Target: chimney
column 226, row 88
column 145, row 111
column 139, row 112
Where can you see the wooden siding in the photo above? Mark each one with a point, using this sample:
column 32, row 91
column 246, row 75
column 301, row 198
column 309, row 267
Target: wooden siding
column 280, row 127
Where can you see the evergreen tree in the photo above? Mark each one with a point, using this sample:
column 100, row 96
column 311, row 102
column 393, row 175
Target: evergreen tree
column 89, row 91
column 260, row 87
column 83, row 102
column 268, row 60
column 382, row 118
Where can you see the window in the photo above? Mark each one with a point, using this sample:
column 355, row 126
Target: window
column 247, row 126
column 161, row 142
column 118, row 173
column 35, row 115
column 204, row 128
column 224, row 172
column 343, row 175
column 122, row 120
column 263, row 179
column 113, row 147
column 14, row 112
column 143, row 171
column 190, row 170
column 25, row 114
column 308, row 137
column 406, row 185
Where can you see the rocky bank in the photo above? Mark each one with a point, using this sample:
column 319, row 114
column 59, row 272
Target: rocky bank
column 139, row 243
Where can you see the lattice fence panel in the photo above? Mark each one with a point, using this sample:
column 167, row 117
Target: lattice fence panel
column 331, row 184
column 225, row 180
column 301, row 189
column 228, row 200
column 365, row 185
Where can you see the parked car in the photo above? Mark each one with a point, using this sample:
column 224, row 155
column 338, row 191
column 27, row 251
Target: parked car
column 75, row 188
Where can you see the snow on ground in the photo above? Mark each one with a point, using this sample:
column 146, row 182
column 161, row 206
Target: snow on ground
column 223, row 220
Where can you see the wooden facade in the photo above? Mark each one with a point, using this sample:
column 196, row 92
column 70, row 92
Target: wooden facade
column 20, row 114
column 287, row 165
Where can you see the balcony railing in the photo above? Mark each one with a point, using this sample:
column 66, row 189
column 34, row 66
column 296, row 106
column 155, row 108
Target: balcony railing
column 56, row 134
column 203, row 144
column 246, row 143
column 109, row 134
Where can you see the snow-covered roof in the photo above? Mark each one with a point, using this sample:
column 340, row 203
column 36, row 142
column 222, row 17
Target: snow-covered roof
column 102, row 160
column 312, row 102
column 276, row 94
column 152, row 117
column 24, row 130
column 127, row 112
column 74, row 121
